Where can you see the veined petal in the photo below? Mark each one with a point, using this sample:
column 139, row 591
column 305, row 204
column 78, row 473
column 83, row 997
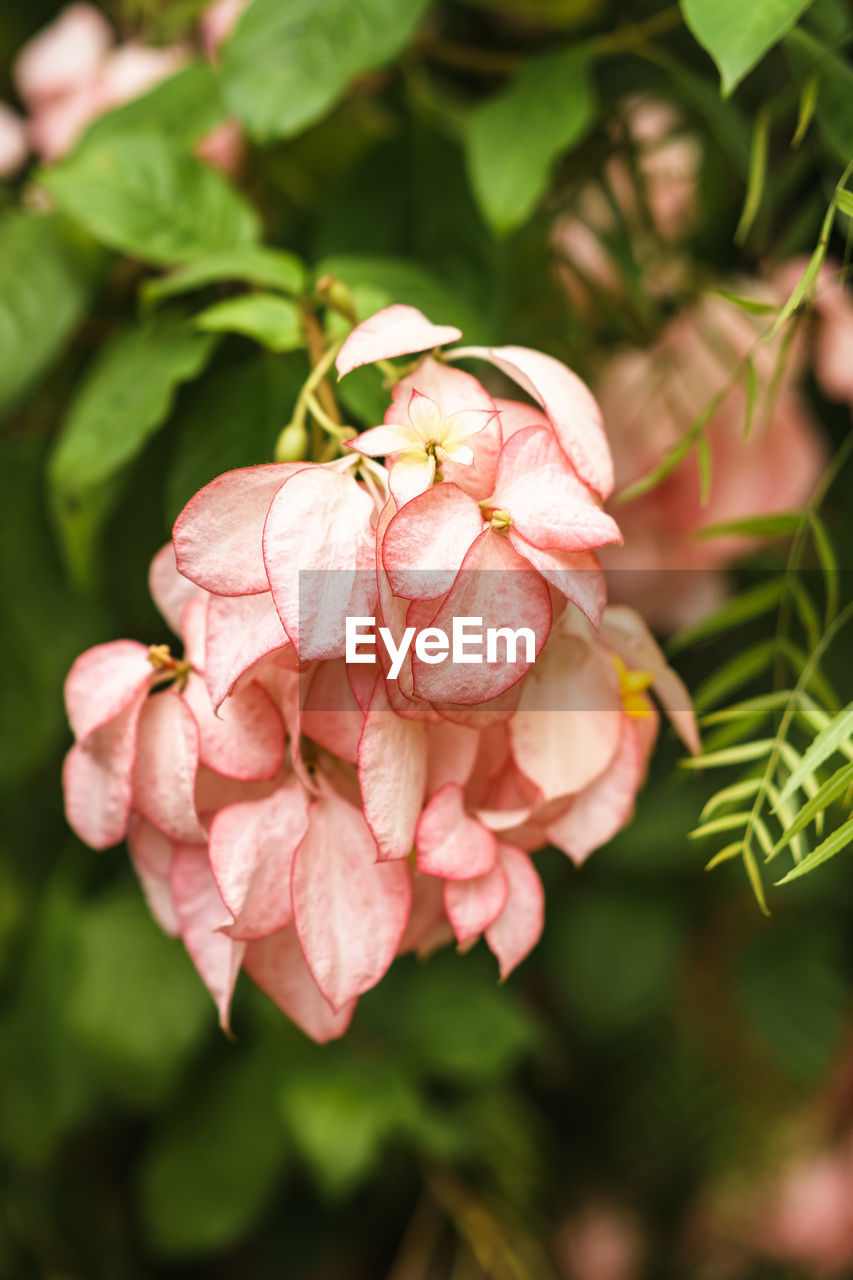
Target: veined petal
column 601, row 809
column 449, row 842
column 104, row 681
column 170, row 590
column 472, row 905
column 246, row 739
column 519, row 926
column 278, row 967
column 395, row 331
column 240, row 631
column 201, row 914
column 392, row 766
column 165, row 768
column 419, row 564
column 97, row 778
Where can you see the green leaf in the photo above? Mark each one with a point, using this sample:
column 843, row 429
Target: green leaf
column 212, row 1169
column 286, row 65
column 808, row 102
column 727, row 822
column 273, row 322
column 761, row 705
column 733, row 850
column 124, row 398
column 828, row 741
column 514, row 138
column 266, row 268
column 812, row 61
column 750, row 604
column 830, row 791
column 148, row 197
column 779, row 525
column 757, row 175
column 136, row 1002
column 46, row 279
column 184, row 108
column 734, row 674
column 745, row 304
column 742, row 790
column 342, row 1111
column 737, row 36
column 746, row 752
column 834, row 843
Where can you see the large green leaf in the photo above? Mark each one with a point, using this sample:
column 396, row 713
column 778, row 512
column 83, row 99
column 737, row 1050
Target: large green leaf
column 272, row 268
column 150, row 198
column 736, row 34
column 125, row 397
column 273, row 322
column 46, row 278
column 288, row 63
column 184, row 108
column 514, row 138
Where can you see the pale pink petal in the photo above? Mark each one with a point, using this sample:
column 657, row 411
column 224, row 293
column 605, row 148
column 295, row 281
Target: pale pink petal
column 213, row 791
column 278, row 967
column 625, row 630
column 241, row 630
column 201, row 914
column 104, row 681
column 392, row 766
column 97, row 778
column 548, row 504
column 380, row 442
column 576, row 575
column 461, row 453
column 320, row 521
column 427, row 540
column 170, row 590
column 194, row 631
column 496, row 585
column 219, row 534
column 452, row 750
column 411, row 474
column 449, row 842
column 350, row 910
column 165, row 768
column 519, row 926
column 517, row 416
column 133, row 68
column 151, row 854
column 567, row 728
column 330, row 715
column 64, row 55
column 251, row 854
column 472, row 905
column 14, row 143
column 245, row 739
column 603, row 808
column 217, row 23
column 568, row 403
column 397, row 331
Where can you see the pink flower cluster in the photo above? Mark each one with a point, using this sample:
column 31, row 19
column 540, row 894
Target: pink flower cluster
column 73, row 71
column 306, row 818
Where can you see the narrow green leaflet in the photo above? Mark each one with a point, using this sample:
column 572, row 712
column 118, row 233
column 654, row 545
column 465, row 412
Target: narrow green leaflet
column 833, row 789
column 833, row 844
column 736, row 34
column 266, row 268
column 814, row 63
column 150, row 198
column 123, row 400
column 779, row 525
column 732, row 755
column 46, row 279
column 734, row 674
column 184, row 108
column 286, row 65
column 515, row 137
column 752, row 603
column 272, row 321
column 836, row 734
column 757, row 175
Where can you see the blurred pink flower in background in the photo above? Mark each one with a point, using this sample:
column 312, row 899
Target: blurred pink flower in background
column 217, row 23
column 602, row 1241
column 649, row 400
column 807, row 1214
column 14, row 143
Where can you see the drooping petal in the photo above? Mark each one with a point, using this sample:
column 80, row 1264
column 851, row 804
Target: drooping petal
column 568, row 403
column 516, row 416
column 240, row 631
column 601, row 809
column 392, row 765
column 201, row 914
column 151, row 854
column 278, row 967
column 218, row 536
column 411, row 474
column 396, row 331
column 165, row 769
column 97, row 778
column 330, row 715
column 576, row 575
column 318, row 547
column 246, row 739
column 519, row 926
column 497, row 586
column 449, row 842
column 472, row 905
column 251, row 855
column 628, row 634
column 170, row 590
column 427, row 919
column 104, row 681
column 452, row 750
column 567, row 727
column 549, row 505
column 426, row 542
column 350, row 910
